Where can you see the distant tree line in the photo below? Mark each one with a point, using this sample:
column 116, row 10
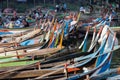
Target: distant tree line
column 32, row 3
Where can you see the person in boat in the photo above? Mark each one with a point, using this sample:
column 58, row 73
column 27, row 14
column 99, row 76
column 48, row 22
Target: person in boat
column 57, row 8
column 64, row 7
column 39, row 10
column 17, row 23
column 82, row 9
column 73, row 23
column 25, row 23
column 11, row 23
column 29, row 17
column 15, row 17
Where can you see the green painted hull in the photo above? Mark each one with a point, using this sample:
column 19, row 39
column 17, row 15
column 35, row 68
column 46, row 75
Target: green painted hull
column 20, row 63
column 12, row 59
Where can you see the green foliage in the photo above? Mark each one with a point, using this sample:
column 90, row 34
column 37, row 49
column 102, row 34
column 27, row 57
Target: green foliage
column 21, row 7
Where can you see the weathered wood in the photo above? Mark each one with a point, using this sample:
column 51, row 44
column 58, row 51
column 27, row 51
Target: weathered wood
column 28, row 36
column 28, row 74
column 2, row 50
column 13, row 43
column 111, row 72
column 63, row 52
column 22, row 32
column 42, row 52
column 57, row 64
column 115, row 29
column 51, row 73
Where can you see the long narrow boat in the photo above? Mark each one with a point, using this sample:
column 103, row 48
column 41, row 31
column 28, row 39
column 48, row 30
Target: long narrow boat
column 112, row 73
column 99, row 69
column 15, row 33
column 41, row 52
column 47, row 75
column 60, row 42
column 23, row 37
column 19, row 74
column 115, row 29
column 52, row 72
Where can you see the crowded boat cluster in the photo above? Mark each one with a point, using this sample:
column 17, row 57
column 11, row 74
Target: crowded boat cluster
column 56, row 45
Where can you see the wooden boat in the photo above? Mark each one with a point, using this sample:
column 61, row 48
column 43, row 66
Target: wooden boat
column 14, row 33
column 86, row 56
column 45, row 37
column 97, row 70
column 34, row 54
column 107, row 74
column 115, row 29
column 23, row 37
column 42, row 72
column 41, row 52
column 51, row 72
column 34, row 41
column 68, row 67
column 28, row 36
column 47, row 49
column 27, row 44
column 30, row 58
column 35, row 71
